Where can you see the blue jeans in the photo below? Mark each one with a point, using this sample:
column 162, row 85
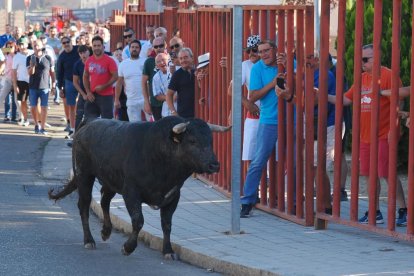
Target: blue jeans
column 10, row 100
column 266, row 142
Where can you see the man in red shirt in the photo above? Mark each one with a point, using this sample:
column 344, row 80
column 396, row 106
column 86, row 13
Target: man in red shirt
column 100, row 74
column 383, row 130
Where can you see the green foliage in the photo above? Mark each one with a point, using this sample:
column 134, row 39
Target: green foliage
column 386, row 49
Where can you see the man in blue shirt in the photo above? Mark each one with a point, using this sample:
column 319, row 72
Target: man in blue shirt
column 262, row 87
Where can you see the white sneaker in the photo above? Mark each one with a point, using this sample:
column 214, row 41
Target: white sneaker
column 26, row 123
column 21, row 122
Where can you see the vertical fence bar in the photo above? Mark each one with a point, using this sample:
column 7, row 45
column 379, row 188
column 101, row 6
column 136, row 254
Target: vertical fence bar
column 336, row 208
column 376, row 71
column 299, row 111
column 323, row 191
column 309, row 112
column 281, row 118
column 394, row 122
column 410, row 196
column 356, row 107
column 290, row 165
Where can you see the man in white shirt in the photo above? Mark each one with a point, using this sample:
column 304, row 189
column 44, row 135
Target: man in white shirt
column 130, row 76
column 21, row 78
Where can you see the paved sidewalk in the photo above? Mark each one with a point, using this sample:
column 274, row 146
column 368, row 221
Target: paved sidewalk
column 269, row 245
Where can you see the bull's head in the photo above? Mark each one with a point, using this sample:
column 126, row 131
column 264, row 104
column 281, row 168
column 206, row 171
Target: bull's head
column 194, row 139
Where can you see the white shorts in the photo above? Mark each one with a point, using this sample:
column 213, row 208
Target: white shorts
column 330, row 147
column 134, row 111
column 250, row 138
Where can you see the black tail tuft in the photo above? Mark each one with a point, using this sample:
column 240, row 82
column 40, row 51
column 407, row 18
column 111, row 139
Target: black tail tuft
column 67, row 189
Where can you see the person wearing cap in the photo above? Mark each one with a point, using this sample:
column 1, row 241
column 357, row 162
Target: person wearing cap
column 202, row 66
column 21, row 79
column 182, row 82
column 41, row 69
column 251, row 123
column 67, row 91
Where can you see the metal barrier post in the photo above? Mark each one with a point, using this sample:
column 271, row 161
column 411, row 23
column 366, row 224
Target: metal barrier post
column 356, row 107
column 236, row 133
column 394, row 122
column 376, row 75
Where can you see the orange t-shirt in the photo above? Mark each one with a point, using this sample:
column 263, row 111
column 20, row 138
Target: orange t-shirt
column 366, row 100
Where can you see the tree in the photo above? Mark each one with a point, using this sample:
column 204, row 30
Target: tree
column 386, row 49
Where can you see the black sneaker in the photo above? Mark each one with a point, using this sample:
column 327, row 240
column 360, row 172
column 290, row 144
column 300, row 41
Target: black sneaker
column 344, row 195
column 245, row 210
column 402, row 217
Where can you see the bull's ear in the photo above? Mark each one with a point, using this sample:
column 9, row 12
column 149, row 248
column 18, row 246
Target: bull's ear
column 176, row 137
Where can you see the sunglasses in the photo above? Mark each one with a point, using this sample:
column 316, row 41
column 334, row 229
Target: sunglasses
column 120, row 48
column 175, row 46
column 65, row 42
column 128, row 36
column 158, row 46
column 253, row 50
column 365, row 59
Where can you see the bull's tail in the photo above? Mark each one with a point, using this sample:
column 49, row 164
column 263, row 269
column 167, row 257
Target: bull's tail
column 67, row 189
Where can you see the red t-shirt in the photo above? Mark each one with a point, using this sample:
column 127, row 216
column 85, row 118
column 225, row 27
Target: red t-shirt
column 100, row 72
column 366, row 101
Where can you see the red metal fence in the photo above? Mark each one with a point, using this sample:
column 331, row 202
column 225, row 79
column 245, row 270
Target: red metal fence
column 288, row 187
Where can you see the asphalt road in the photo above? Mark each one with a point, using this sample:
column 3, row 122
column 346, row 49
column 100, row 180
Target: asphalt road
column 39, row 237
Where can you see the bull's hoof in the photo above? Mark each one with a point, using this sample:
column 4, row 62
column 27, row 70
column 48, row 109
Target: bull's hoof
column 105, row 233
column 171, row 256
column 125, row 252
column 90, row 245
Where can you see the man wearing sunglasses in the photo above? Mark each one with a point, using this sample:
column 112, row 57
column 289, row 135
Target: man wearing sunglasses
column 176, row 44
column 68, row 92
column 151, row 104
column 383, row 131
column 129, row 35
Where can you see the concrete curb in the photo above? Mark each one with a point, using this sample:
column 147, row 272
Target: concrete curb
column 189, row 256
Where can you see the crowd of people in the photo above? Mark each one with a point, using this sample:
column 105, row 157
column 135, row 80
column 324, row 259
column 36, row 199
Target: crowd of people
column 154, row 77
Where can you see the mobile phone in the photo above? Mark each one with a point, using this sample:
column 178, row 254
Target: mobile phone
column 33, row 59
column 280, row 82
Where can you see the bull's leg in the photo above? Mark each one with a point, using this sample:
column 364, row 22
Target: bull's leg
column 85, row 196
column 166, row 223
column 107, row 196
column 133, row 205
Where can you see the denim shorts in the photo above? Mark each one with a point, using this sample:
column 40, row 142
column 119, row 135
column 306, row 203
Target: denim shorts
column 70, row 93
column 35, row 94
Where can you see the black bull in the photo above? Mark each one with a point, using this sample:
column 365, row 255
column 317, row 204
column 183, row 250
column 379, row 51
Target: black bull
column 144, row 162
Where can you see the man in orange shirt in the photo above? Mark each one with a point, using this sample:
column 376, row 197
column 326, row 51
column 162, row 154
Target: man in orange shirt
column 383, row 131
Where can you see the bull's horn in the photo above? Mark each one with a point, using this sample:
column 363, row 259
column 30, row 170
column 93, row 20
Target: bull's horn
column 217, row 128
column 180, row 128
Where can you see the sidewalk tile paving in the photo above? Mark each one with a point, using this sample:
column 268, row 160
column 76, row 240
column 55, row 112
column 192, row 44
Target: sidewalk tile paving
column 269, row 245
